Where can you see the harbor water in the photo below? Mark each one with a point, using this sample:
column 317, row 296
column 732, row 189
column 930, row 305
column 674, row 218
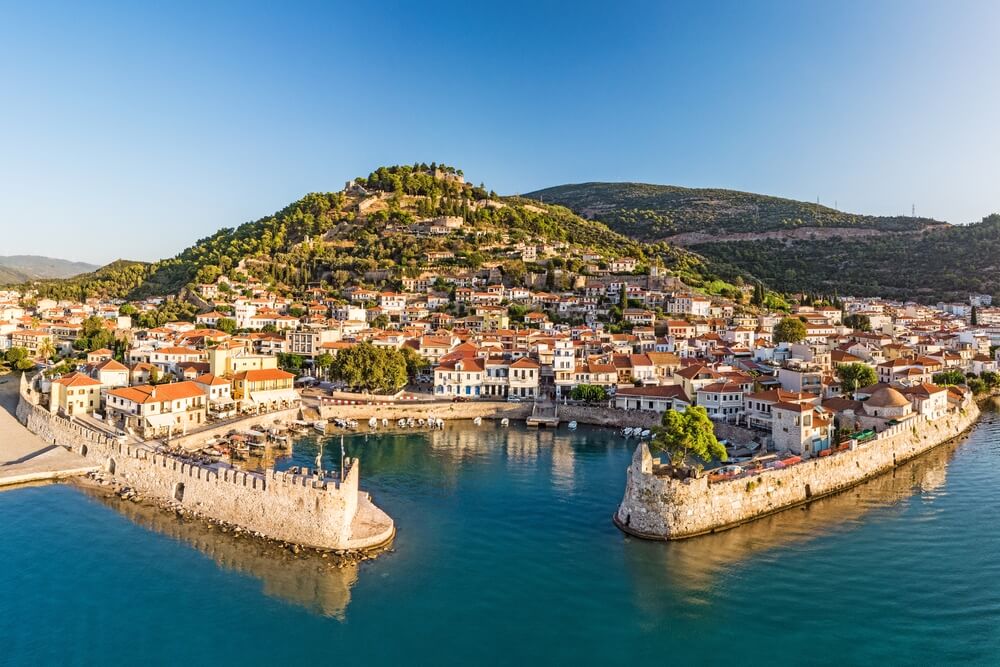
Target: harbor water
column 506, row 554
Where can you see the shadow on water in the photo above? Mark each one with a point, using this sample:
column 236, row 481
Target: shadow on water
column 309, row 581
column 698, row 563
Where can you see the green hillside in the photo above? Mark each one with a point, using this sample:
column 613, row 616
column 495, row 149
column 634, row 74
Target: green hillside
column 943, row 263
column 654, row 212
column 373, row 228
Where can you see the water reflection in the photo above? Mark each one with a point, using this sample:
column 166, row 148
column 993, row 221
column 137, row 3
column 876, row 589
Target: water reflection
column 308, row 581
column 697, row 564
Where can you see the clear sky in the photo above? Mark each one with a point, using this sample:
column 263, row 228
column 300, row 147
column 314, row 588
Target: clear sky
column 133, row 129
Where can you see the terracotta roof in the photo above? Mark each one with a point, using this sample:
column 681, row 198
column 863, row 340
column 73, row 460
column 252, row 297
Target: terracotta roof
column 160, row 393
column 887, row 397
column 76, row 380
column 264, row 374
column 111, row 365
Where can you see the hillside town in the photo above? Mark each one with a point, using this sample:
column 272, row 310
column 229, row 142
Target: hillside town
column 617, row 340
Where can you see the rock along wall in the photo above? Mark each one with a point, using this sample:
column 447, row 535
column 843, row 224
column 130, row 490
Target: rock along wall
column 659, row 507
column 298, row 508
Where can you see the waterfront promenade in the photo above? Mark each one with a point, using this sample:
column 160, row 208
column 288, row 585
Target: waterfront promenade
column 24, row 457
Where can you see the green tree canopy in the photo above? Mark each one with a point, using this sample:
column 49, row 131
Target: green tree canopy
column 853, row 376
column 688, row 433
column 858, row 322
column 790, row 330
column 371, row 368
column 953, row 376
column 589, row 392
column 226, row 324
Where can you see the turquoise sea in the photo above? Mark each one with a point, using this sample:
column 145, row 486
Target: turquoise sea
column 506, row 554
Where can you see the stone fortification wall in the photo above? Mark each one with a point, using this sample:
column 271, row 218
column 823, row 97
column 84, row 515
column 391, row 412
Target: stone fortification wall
column 298, row 508
column 658, row 506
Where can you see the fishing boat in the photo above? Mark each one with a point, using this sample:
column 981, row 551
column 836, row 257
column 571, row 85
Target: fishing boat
column 572, row 426
column 477, row 421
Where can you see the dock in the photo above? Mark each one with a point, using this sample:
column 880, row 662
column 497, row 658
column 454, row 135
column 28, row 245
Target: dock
column 544, row 414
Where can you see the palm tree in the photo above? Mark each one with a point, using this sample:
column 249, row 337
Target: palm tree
column 47, row 350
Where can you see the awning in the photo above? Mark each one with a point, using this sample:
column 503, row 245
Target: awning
column 161, row 420
column 275, row 396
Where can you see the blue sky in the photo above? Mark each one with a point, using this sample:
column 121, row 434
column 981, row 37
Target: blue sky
column 133, row 129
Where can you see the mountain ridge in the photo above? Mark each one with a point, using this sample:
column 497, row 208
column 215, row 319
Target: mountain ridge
column 22, row 268
column 651, row 212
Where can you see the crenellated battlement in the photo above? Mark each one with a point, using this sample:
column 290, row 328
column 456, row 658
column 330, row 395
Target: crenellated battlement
column 657, row 505
column 299, row 507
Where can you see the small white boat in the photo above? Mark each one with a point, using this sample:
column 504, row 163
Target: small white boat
column 440, row 423
column 627, row 431
column 320, row 426
column 421, row 422
column 401, row 423
column 477, row 421
column 505, row 422
column 372, row 423
column 409, row 422
column 572, row 426
column 645, row 433
column 385, row 423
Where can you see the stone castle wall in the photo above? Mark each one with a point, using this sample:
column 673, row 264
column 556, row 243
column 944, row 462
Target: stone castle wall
column 659, row 507
column 298, row 508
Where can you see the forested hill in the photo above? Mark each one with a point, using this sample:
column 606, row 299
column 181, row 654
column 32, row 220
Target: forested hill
column 948, row 263
column 687, row 215
column 375, row 226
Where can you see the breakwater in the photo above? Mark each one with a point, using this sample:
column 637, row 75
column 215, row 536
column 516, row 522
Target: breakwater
column 302, row 508
column 658, row 506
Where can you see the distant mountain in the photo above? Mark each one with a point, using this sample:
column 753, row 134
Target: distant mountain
column 22, row 268
column 688, row 216
column 794, row 246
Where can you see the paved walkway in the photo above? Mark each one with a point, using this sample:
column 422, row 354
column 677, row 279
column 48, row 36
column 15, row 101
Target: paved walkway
column 24, row 457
